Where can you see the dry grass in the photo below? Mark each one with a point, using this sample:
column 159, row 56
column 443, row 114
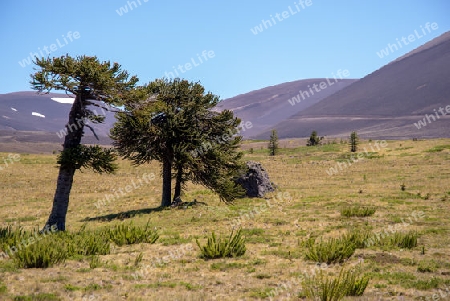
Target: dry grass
column 275, row 230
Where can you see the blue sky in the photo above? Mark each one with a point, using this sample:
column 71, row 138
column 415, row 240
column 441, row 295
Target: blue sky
column 310, row 40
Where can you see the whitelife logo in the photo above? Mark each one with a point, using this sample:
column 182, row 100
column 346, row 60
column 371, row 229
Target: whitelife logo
column 405, row 41
column 46, row 50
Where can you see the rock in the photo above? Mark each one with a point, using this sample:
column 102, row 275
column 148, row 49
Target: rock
column 255, row 181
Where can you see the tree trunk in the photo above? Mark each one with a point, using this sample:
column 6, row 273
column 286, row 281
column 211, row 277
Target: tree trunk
column 167, row 183
column 66, row 172
column 178, row 183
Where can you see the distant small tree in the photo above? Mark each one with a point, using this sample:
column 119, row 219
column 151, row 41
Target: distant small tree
column 273, row 143
column 354, row 141
column 314, row 139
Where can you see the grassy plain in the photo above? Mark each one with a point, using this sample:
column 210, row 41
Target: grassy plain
column 400, row 180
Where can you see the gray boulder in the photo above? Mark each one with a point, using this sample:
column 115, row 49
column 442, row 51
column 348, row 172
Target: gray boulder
column 255, row 181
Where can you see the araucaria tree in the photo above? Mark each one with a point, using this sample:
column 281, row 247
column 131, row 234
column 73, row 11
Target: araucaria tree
column 354, row 140
column 273, row 143
column 173, row 122
column 93, row 83
column 314, row 139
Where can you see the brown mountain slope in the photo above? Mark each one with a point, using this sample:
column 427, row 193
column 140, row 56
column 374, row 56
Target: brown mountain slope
column 266, row 107
column 386, row 103
column 22, row 113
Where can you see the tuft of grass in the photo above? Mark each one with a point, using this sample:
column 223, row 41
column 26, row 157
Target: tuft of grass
column 358, row 211
column 221, row 247
column 42, row 254
column 38, row 297
column 94, row 262
column 334, row 250
column 404, row 240
column 138, row 259
column 358, row 236
column 325, row 288
column 438, row 148
column 129, row 234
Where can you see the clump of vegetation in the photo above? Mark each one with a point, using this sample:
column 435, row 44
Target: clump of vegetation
column 334, row 250
column 404, row 240
column 273, row 143
column 233, row 246
column 359, row 237
column 314, row 139
column 129, row 234
column 354, row 141
column 38, row 297
column 358, row 211
column 42, row 254
column 326, row 288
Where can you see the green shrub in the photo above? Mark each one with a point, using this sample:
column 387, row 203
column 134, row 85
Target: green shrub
column 38, row 297
column 88, row 243
column 42, row 254
column 359, row 237
column 129, row 234
column 403, row 240
column 359, row 211
column 334, row 250
column 326, row 288
column 12, row 237
column 233, row 246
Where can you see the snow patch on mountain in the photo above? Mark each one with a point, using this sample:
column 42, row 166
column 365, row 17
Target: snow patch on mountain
column 37, row 114
column 63, row 99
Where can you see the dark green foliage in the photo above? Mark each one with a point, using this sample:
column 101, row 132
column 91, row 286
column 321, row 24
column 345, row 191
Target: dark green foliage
column 97, row 158
column 334, row 250
column 94, row 84
column 354, row 141
column 221, row 247
column 358, row 211
column 273, row 143
column 128, row 234
column 173, row 122
column 314, row 139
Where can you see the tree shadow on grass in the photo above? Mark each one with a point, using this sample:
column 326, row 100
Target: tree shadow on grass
column 132, row 213
column 123, row 215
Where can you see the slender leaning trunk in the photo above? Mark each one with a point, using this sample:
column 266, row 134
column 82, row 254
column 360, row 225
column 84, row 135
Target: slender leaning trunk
column 66, row 171
column 167, row 182
column 178, row 183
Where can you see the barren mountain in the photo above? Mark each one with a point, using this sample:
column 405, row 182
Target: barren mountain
column 388, row 103
column 268, row 106
column 25, row 114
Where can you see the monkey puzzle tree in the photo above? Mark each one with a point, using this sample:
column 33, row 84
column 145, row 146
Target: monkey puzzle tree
column 172, row 122
column 354, row 141
column 93, row 83
column 314, row 139
column 273, row 143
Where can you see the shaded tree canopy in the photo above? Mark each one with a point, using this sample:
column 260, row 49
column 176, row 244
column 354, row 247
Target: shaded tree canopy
column 174, row 123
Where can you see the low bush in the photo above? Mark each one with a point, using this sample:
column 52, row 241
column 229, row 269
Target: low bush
column 326, row 288
column 358, row 211
column 334, row 250
column 129, row 234
column 221, row 247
